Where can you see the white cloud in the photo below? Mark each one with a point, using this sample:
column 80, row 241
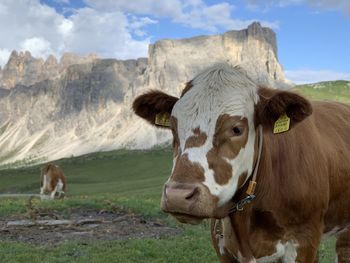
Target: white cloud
column 65, row 27
column 160, row 8
column 210, row 17
column 215, row 16
column 38, row 46
column 193, row 13
column 137, row 23
column 104, row 33
column 31, row 25
column 4, row 54
column 302, row 76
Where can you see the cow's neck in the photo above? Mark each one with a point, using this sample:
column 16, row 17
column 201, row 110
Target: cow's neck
column 244, row 222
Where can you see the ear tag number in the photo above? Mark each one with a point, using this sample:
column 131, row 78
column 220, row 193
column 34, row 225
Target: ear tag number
column 282, row 124
column 163, row 119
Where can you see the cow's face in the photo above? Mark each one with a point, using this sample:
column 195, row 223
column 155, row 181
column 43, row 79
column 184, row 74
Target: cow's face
column 214, row 140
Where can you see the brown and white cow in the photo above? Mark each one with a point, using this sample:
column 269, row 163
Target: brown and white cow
column 53, row 182
column 303, row 176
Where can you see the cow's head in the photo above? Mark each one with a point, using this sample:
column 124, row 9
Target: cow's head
column 214, row 126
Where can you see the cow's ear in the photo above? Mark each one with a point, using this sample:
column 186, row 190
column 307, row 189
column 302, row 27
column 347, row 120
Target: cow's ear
column 155, row 107
column 274, row 104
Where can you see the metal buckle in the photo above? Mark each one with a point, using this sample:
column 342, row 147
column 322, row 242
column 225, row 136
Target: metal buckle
column 239, row 206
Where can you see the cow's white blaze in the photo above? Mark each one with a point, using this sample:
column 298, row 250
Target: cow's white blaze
column 219, row 90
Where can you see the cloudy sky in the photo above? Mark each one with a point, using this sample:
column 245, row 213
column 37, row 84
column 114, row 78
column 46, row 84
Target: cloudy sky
column 313, row 36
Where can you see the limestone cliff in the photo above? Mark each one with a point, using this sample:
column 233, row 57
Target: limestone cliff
column 172, row 62
column 24, row 69
column 51, row 109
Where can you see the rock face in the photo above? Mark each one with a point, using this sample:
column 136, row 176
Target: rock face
column 171, row 62
column 24, row 69
column 51, row 109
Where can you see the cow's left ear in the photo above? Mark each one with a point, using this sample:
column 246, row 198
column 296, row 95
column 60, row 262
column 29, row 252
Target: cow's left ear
column 155, row 107
column 275, row 103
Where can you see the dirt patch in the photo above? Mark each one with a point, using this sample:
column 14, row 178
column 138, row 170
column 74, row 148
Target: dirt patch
column 81, row 225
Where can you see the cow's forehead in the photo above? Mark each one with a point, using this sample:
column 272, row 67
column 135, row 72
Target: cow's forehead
column 219, row 90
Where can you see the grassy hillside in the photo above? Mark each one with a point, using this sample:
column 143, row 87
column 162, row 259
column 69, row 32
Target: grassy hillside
column 129, row 179
column 328, row 90
column 118, row 172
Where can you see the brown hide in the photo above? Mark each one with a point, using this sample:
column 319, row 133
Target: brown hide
column 303, row 187
column 55, row 174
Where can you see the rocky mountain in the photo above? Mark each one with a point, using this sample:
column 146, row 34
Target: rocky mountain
column 24, row 69
column 50, row 110
column 171, row 62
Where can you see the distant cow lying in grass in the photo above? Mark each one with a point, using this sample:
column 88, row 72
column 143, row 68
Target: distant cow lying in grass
column 53, row 182
column 229, row 135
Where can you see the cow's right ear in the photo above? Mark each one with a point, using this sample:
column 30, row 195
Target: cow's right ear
column 274, row 103
column 155, row 107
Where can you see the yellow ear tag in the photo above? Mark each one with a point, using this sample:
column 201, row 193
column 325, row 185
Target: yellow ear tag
column 163, row 119
column 282, row 124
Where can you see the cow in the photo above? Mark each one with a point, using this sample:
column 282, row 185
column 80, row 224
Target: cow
column 270, row 168
column 52, row 182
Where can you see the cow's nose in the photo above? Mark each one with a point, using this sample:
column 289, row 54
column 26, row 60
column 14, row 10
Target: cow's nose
column 184, row 194
column 181, row 196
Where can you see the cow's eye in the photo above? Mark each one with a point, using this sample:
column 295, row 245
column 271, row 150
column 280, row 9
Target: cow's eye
column 237, row 131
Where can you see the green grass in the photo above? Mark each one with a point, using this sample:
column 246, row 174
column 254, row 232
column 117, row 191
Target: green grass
column 130, row 180
column 117, row 172
column 193, row 246
column 328, row 90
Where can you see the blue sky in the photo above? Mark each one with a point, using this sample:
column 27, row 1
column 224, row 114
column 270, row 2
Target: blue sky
column 313, row 36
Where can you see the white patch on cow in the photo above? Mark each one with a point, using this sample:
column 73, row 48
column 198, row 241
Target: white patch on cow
column 287, row 252
column 291, row 253
column 280, row 252
column 336, row 258
column 219, row 90
column 59, row 185
column 46, row 182
column 221, row 244
column 43, row 185
column 242, row 259
column 58, row 189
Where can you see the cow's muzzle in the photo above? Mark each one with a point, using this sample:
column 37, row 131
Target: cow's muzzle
column 190, row 203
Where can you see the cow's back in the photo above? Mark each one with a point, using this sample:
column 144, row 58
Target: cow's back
column 332, row 120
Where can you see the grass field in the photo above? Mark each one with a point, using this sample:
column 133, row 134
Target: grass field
column 128, row 179
column 328, row 90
